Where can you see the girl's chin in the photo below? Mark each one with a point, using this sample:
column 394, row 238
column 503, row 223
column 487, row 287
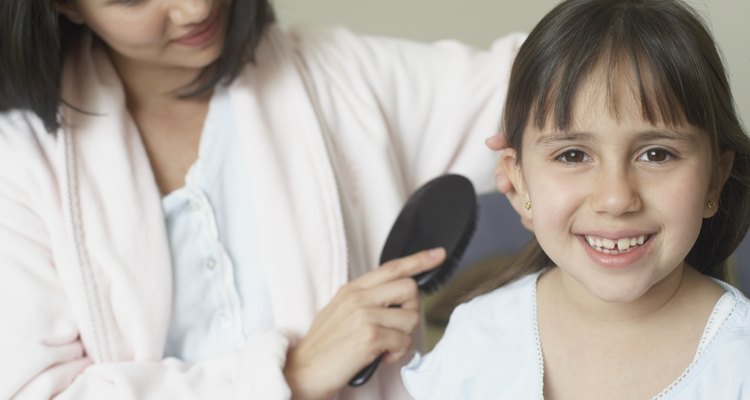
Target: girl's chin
column 612, row 290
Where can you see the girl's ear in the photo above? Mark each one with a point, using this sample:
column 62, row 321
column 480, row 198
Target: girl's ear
column 509, row 170
column 720, row 178
column 69, row 10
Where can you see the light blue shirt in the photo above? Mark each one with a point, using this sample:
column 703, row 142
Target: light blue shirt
column 219, row 294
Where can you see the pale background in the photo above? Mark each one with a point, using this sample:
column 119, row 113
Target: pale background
column 477, row 22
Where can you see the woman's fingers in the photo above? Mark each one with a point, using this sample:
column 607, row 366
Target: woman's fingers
column 400, row 268
column 395, row 319
column 399, row 293
column 496, row 142
column 389, row 333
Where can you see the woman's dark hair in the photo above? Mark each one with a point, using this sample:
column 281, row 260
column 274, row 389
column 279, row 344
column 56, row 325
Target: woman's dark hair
column 34, row 39
column 680, row 76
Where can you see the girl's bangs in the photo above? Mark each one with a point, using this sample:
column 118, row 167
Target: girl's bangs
column 668, row 94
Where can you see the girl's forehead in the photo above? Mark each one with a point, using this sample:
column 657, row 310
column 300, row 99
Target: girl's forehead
column 606, row 102
column 621, row 91
column 617, row 96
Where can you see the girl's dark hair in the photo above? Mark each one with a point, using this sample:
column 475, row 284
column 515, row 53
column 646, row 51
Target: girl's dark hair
column 680, row 77
column 34, row 39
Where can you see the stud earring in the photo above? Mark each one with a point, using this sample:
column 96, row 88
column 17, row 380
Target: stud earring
column 527, row 205
column 711, row 204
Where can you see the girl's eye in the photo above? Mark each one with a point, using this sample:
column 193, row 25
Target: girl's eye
column 656, row 155
column 573, row 157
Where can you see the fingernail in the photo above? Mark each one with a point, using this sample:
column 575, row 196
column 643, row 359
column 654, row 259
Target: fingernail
column 436, row 253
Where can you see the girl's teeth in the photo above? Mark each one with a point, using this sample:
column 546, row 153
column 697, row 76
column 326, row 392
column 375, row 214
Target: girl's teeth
column 609, row 246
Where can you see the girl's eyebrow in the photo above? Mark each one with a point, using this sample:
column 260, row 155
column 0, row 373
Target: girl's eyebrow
column 558, row 137
column 674, row 135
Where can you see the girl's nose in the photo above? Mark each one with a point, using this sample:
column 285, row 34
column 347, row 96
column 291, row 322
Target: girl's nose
column 615, row 192
column 186, row 12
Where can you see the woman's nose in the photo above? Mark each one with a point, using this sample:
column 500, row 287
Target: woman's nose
column 187, row 12
column 615, row 192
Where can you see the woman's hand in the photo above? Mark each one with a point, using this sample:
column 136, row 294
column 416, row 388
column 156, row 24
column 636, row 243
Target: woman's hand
column 358, row 325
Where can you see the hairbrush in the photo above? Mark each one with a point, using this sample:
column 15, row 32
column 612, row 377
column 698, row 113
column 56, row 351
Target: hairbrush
column 441, row 213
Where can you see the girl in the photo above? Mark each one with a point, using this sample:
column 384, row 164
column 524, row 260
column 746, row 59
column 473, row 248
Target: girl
column 185, row 191
column 631, row 166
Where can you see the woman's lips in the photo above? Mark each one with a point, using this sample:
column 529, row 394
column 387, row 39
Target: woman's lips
column 202, row 33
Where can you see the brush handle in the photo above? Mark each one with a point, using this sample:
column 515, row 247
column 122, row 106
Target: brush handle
column 442, row 212
column 365, row 373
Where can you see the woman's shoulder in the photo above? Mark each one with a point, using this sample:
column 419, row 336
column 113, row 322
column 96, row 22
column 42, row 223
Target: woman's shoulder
column 28, row 158
column 16, row 119
column 22, row 132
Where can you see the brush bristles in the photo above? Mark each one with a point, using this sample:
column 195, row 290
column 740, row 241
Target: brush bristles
column 431, row 281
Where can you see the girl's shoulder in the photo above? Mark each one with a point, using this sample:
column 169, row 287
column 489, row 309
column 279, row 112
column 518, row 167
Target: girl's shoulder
column 720, row 368
column 516, row 296
column 738, row 311
column 490, row 349
column 506, row 314
column 737, row 325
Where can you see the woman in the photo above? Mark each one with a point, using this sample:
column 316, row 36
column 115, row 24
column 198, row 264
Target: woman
column 192, row 202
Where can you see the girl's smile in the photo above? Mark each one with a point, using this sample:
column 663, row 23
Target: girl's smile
column 616, row 253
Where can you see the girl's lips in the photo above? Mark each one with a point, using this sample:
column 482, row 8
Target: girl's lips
column 616, row 259
column 202, row 33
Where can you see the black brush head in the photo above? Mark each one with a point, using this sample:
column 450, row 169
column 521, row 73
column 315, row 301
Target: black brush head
column 441, row 213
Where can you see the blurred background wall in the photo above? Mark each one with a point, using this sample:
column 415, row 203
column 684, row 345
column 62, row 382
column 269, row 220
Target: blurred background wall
column 477, row 22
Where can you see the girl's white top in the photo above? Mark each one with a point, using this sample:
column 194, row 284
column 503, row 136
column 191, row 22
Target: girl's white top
column 491, row 350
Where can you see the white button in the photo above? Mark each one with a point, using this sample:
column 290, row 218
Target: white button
column 195, row 205
column 211, row 263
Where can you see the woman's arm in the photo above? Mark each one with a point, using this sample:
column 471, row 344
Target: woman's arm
column 43, row 350
column 429, row 106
